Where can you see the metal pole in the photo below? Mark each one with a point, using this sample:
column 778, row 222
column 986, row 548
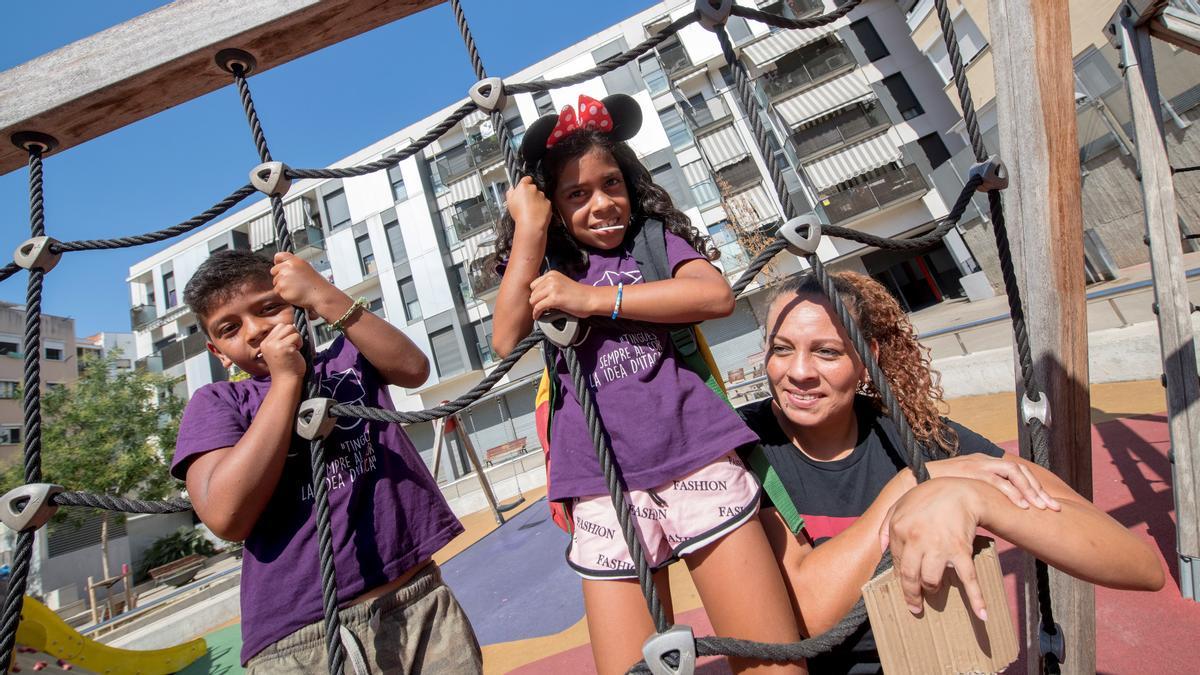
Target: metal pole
column 1170, row 290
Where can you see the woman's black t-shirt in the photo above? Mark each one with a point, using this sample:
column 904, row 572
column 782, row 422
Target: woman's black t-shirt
column 832, row 495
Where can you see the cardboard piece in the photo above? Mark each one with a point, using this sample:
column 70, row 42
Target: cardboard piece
column 947, row 637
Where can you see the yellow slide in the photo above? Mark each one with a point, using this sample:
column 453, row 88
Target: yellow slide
column 42, row 629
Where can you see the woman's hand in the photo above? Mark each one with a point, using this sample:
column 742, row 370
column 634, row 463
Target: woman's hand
column 930, row 528
column 1012, row 478
column 553, row 290
column 528, row 206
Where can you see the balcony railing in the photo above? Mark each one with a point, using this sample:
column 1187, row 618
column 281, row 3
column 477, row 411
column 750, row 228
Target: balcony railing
column 478, row 153
column 887, row 188
column 483, row 278
column 674, row 59
column 474, row 218
column 308, row 239
column 842, row 128
column 817, row 66
column 177, row 352
column 713, row 110
column 486, row 151
column 141, row 315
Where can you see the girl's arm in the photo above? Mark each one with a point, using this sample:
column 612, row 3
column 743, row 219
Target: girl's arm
column 934, row 524
column 697, row 292
column 530, row 210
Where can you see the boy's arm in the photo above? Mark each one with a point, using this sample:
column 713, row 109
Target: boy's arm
column 231, row 486
column 387, row 348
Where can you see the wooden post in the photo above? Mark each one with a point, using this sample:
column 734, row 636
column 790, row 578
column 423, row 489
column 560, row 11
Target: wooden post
column 469, row 450
column 439, row 434
column 128, row 586
column 1035, row 102
column 1170, row 288
column 91, row 591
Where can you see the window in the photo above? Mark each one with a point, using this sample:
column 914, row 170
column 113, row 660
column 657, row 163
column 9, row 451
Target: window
column 970, row 43
column 366, row 257
column 376, row 308
column 10, row 348
column 408, row 296
column 483, row 340
column 652, row 74
column 664, row 177
column 446, row 354
column 169, row 289
column 869, row 38
column 516, row 127
column 902, row 94
column 739, row 30
column 337, row 208
column 395, row 176
column 459, row 280
column 1095, row 77
column 10, row 435
column 673, row 56
column 8, row 388
column 934, row 149
column 543, row 102
column 54, row 354
column 676, row 128
column 726, row 75
column 704, row 190
column 391, row 229
column 623, row 80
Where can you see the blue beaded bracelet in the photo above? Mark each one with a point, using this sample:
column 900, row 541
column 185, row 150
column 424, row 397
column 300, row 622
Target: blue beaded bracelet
column 617, row 304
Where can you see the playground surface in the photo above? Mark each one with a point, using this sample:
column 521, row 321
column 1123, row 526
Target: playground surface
column 526, row 606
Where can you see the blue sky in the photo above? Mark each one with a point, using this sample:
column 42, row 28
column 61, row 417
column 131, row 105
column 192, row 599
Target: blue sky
column 315, row 110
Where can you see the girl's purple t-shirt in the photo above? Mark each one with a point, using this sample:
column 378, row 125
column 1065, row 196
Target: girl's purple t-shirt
column 386, row 509
column 662, row 420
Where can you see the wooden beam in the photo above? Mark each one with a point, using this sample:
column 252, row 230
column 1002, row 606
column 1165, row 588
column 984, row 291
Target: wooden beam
column 469, row 448
column 165, row 57
column 1170, row 292
column 1035, row 102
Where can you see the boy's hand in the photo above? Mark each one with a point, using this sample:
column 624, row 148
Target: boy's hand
column 281, row 352
column 553, row 290
column 528, row 206
column 299, row 284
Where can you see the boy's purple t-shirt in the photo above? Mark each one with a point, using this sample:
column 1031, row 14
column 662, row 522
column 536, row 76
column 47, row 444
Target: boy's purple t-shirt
column 386, row 509
column 662, row 420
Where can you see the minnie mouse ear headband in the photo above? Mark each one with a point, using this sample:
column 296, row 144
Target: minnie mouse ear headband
column 618, row 115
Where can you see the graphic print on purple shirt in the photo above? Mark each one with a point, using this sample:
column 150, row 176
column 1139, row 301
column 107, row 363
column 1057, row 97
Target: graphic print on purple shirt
column 386, row 510
column 663, row 422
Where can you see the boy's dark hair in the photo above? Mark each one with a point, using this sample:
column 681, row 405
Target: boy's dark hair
column 647, row 199
column 221, row 276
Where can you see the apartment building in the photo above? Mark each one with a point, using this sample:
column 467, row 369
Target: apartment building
column 856, row 136
column 1112, row 200
column 58, row 362
column 121, row 346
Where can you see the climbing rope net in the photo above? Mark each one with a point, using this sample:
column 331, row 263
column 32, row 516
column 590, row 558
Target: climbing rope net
column 30, row 506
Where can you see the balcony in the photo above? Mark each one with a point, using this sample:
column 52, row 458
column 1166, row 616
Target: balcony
column 140, row 315
column 674, row 59
column 486, row 151
column 308, row 240
column 476, row 153
column 483, row 278
column 474, row 218
column 844, row 127
column 802, row 68
column 178, row 351
column 712, row 111
column 885, row 189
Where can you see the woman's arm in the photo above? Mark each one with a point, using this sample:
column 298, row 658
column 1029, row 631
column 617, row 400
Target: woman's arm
column 530, row 210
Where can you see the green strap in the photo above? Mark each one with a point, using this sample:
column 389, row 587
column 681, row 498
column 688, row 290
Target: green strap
column 775, row 490
column 693, row 359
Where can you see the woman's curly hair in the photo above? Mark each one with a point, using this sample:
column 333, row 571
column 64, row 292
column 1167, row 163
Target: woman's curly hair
column 904, row 361
column 647, row 200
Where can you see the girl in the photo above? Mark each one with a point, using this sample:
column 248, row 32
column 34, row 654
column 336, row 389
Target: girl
column 674, row 441
column 840, row 459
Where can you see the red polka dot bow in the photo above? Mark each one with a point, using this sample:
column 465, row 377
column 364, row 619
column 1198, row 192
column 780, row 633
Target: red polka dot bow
column 592, row 115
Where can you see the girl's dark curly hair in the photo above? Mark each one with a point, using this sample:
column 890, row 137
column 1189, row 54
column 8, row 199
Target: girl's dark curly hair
column 647, row 200
column 904, row 361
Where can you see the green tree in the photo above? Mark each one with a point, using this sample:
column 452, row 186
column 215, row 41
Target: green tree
column 108, row 432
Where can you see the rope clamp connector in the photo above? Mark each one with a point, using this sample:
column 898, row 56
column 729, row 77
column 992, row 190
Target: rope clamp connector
column 677, row 639
column 1035, row 410
column 313, row 418
column 562, row 329
column 270, row 178
column 236, row 61
column 37, row 253
column 494, row 99
column 992, row 173
column 803, row 234
column 1053, row 644
column 713, row 17
column 30, row 506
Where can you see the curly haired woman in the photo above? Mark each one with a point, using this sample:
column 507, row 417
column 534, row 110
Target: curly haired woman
column 841, row 462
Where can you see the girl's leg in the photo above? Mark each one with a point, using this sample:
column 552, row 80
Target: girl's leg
column 744, row 594
column 618, row 620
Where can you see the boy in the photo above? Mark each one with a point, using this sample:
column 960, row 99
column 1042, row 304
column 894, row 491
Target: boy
column 247, row 482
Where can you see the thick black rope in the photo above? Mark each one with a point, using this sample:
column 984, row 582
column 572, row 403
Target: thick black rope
column 1185, row 169
column 113, row 503
column 312, row 385
column 161, row 235
column 1039, row 439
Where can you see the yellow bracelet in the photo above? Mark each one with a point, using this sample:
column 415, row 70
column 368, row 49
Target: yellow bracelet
column 340, row 324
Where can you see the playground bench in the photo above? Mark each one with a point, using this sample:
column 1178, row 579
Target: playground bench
column 179, row 572
column 504, row 449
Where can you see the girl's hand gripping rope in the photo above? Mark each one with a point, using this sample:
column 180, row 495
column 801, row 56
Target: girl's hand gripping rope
column 529, row 207
column 554, row 290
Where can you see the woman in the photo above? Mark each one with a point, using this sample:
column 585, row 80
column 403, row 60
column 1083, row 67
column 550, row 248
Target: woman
column 840, row 460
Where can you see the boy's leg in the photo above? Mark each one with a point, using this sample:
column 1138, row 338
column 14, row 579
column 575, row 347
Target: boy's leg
column 423, row 629
column 744, row 594
column 618, row 620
